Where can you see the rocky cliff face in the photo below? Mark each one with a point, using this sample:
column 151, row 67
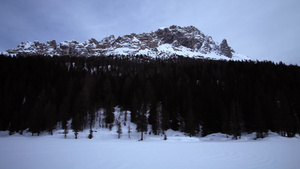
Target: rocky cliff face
column 165, row 42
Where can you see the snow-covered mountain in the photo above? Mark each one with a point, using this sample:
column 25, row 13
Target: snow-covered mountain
column 165, row 42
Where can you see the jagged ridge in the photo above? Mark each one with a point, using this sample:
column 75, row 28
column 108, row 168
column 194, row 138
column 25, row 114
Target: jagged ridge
column 165, row 42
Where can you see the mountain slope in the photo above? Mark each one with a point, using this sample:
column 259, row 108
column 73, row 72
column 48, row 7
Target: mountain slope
column 164, row 42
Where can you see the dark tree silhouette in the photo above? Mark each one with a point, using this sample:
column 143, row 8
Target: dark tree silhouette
column 195, row 96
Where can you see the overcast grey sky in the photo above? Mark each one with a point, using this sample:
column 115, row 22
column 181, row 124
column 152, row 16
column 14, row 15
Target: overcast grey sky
column 260, row 29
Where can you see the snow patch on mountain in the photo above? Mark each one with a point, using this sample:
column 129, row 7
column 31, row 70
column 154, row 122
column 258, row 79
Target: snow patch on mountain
column 164, row 42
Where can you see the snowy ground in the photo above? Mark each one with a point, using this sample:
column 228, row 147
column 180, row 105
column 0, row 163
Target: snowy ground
column 106, row 151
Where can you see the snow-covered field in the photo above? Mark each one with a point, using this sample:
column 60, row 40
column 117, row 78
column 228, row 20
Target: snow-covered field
column 106, row 151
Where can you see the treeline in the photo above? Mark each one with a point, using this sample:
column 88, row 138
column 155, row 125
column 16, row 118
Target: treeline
column 194, row 96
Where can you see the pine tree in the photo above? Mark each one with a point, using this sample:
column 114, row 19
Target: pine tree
column 235, row 120
column 190, row 124
column 66, row 130
column 109, row 117
column 76, row 124
column 108, row 103
column 134, row 109
column 91, row 134
column 37, row 116
column 259, row 121
column 119, row 128
column 165, row 122
column 64, row 113
column 129, row 130
column 142, row 121
column 50, row 112
column 155, row 117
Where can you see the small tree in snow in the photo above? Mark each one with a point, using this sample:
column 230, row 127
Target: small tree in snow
column 165, row 137
column 119, row 129
column 66, row 131
column 129, row 130
column 142, row 124
column 76, row 125
column 91, row 134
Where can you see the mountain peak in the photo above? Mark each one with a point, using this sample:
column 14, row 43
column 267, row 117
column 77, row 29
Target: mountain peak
column 165, row 42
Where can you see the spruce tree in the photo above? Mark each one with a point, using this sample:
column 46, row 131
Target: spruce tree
column 155, row 117
column 129, row 130
column 76, row 124
column 64, row 113
column 142, row 125
column 119, row 128
column 91, row 134
column 235, row 120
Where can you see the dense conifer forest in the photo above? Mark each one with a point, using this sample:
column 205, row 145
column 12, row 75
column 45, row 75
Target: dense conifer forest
column 195, row 96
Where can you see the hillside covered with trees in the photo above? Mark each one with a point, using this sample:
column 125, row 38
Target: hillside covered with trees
column 194, row 96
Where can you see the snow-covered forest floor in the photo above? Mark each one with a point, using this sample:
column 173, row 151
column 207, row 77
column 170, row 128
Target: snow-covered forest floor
column 105, row 150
